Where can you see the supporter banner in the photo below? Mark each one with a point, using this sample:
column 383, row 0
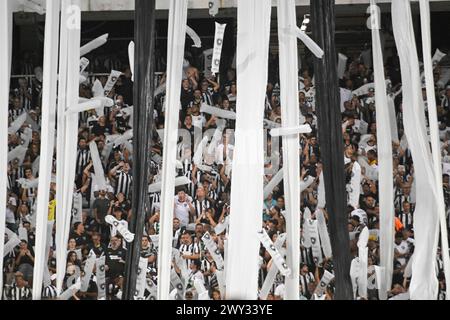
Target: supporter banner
column 355, row 186
column 321, row 202
column 179, row 181
column 180, row 263
column 213, row 250
column 77, row 210
column 272, row 273
column 100, row 275
column 278, row 132
column 315, row 242
column 98, row 167
column 113, row 77
column 177, row 284
column 306, row 237
column 222, row 226
column 94, row 44
column 141, row 282
column 323, row 284
column 363, row 255
column 323, row 233
column 218, row 44
column 126, row 234
column 151, row 288
column 277, row 258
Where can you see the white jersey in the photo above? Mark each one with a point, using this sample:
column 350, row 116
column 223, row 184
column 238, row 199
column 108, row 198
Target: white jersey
column 310, row 96
column 402, row 248
column 182, row 211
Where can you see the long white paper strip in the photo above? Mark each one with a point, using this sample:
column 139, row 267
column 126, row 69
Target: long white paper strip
column 47, row 141
column 309, row 43
column 424, row 284
column 290, row 116
column 17, row 124
column 71, row 129
column 141, row 279
column 248, row 163
column 201, row 290
column 194, row 36
column 272, row 273
column 198, row 155
column 94, row 44
column 98, row 167
column 278, row 132
column 323, row 233
column 175, row 55
column 222, row 226
column 218, row 44
column 179, row 181
column 277, row 258
column 321, row 202
column 276, row 179
column 385, row 112
column 131, row 58
column 434, row 133
column 392, row 119
column 60, row 144
column 220, row 113
column 85, row 106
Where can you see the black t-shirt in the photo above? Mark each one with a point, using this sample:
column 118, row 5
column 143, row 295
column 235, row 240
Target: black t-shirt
column 113, row 257
column 102, row 206
column 101, row 130
column 81, row 240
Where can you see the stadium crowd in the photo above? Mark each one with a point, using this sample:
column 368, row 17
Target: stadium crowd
column 203, row 205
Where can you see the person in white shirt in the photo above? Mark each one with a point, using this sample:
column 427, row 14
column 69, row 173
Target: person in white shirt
column 183, row 208
column 401, row 249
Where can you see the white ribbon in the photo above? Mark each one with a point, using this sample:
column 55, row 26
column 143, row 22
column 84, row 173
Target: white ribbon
column 94, row 44
column 194, row 36
column 175, row 54
column 66, row 295
column 98, row 167
column 309, row 43
column 278, row 132
column 355, row 185
column 424, row 284
column 434, row 133
column 363, row 256
column 342, row 65
column 276, row 179
column 220, row 113
column 131, row 48
column 179, row 181
column 385, row 134
column 88, row 268
column 141, row 281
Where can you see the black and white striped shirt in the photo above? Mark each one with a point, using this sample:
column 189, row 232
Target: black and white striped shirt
column 15, row 113
column 155, row 201
column 49, row 292
column 15, row 293
column 305, row 279
column 191, row 249
column 406, row 219
column 123, row 183
column 200, row 206
column 83, row 158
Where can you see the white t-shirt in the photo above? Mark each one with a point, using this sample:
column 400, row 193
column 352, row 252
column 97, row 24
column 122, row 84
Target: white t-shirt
column 10, row 216
column 402, row 248
column 182, row 211
column 198, row 121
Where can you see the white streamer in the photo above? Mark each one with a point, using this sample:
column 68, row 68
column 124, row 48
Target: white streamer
column 194, row 36
column 94, row 44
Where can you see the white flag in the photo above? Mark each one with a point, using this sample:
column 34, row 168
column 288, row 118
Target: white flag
column 218, row 44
